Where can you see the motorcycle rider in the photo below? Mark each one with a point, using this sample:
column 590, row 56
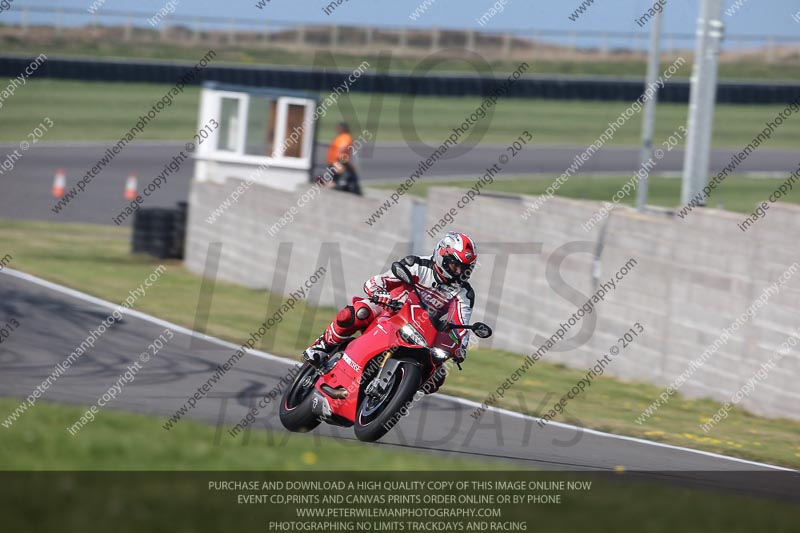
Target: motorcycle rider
column 442, row 282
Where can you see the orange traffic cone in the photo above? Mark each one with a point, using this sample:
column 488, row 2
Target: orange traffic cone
column 131, row 184
column 59, row 183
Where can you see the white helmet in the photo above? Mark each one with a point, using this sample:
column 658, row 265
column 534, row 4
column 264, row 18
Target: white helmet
column 454, row 257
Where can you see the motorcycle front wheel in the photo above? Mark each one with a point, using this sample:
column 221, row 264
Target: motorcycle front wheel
column 295, row 411
column 377, row 415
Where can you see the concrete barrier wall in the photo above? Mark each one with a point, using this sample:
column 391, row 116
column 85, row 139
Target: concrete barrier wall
column 328, row 231
column 692, row 277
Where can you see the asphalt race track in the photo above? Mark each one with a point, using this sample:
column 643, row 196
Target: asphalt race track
column 25, row 191
column 55, row 320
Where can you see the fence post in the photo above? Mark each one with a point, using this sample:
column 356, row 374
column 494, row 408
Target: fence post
column 771, row 52
column 231, row 31
column 507, row 37
column 265, row 40
column 471, row 40
column 24, row 21
column 59, row 21
column 126, row 35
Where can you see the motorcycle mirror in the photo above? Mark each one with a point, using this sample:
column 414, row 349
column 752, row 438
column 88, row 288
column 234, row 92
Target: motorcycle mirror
column 402, row 273
column 482, row 330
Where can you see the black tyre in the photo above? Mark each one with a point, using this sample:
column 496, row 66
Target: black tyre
column 376, row 416
column 295, row 410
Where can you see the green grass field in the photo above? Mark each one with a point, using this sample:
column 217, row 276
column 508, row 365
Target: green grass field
column 40, row 441
column 740, row 194
column 84, row 111
column 120, row 473
column 96, row 260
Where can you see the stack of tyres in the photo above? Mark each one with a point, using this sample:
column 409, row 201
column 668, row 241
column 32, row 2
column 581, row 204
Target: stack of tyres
column 159, row 232
column 179, row 230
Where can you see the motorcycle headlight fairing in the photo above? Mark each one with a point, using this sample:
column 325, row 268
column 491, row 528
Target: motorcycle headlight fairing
column 409, row 334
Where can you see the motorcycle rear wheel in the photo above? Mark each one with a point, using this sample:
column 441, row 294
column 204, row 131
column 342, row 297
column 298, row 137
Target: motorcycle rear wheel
column 295, row 410
column 376, row 417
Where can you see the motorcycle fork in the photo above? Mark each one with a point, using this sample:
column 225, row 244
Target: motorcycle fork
column 378, row 384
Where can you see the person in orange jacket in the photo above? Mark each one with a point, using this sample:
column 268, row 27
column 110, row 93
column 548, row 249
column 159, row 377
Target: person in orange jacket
column 341, row 148
column 340, row 152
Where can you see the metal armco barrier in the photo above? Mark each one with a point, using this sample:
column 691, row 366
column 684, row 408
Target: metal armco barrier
column 529, row 86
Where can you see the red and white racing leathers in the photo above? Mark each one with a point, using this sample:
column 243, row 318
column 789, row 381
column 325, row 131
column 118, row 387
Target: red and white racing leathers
column 455, row 299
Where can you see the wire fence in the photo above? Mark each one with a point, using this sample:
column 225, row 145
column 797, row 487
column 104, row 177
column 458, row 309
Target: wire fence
column 31, row 22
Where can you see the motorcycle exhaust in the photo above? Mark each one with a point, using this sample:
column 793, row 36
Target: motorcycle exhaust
column 320, row 406
column 339, row 393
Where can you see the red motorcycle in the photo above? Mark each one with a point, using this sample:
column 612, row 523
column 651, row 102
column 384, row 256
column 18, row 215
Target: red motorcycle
column 371, row 380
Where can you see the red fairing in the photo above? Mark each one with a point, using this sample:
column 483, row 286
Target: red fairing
column 379, row 337
column 452, row 299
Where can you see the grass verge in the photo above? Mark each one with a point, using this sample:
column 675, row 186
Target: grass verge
column 126, row 441
column 739, row 194
column 164, row 485
column 95, row 111
column 96, row 260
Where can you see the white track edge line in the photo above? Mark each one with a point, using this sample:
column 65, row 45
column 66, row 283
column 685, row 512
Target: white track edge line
column 138, row 314
column 272, row 357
